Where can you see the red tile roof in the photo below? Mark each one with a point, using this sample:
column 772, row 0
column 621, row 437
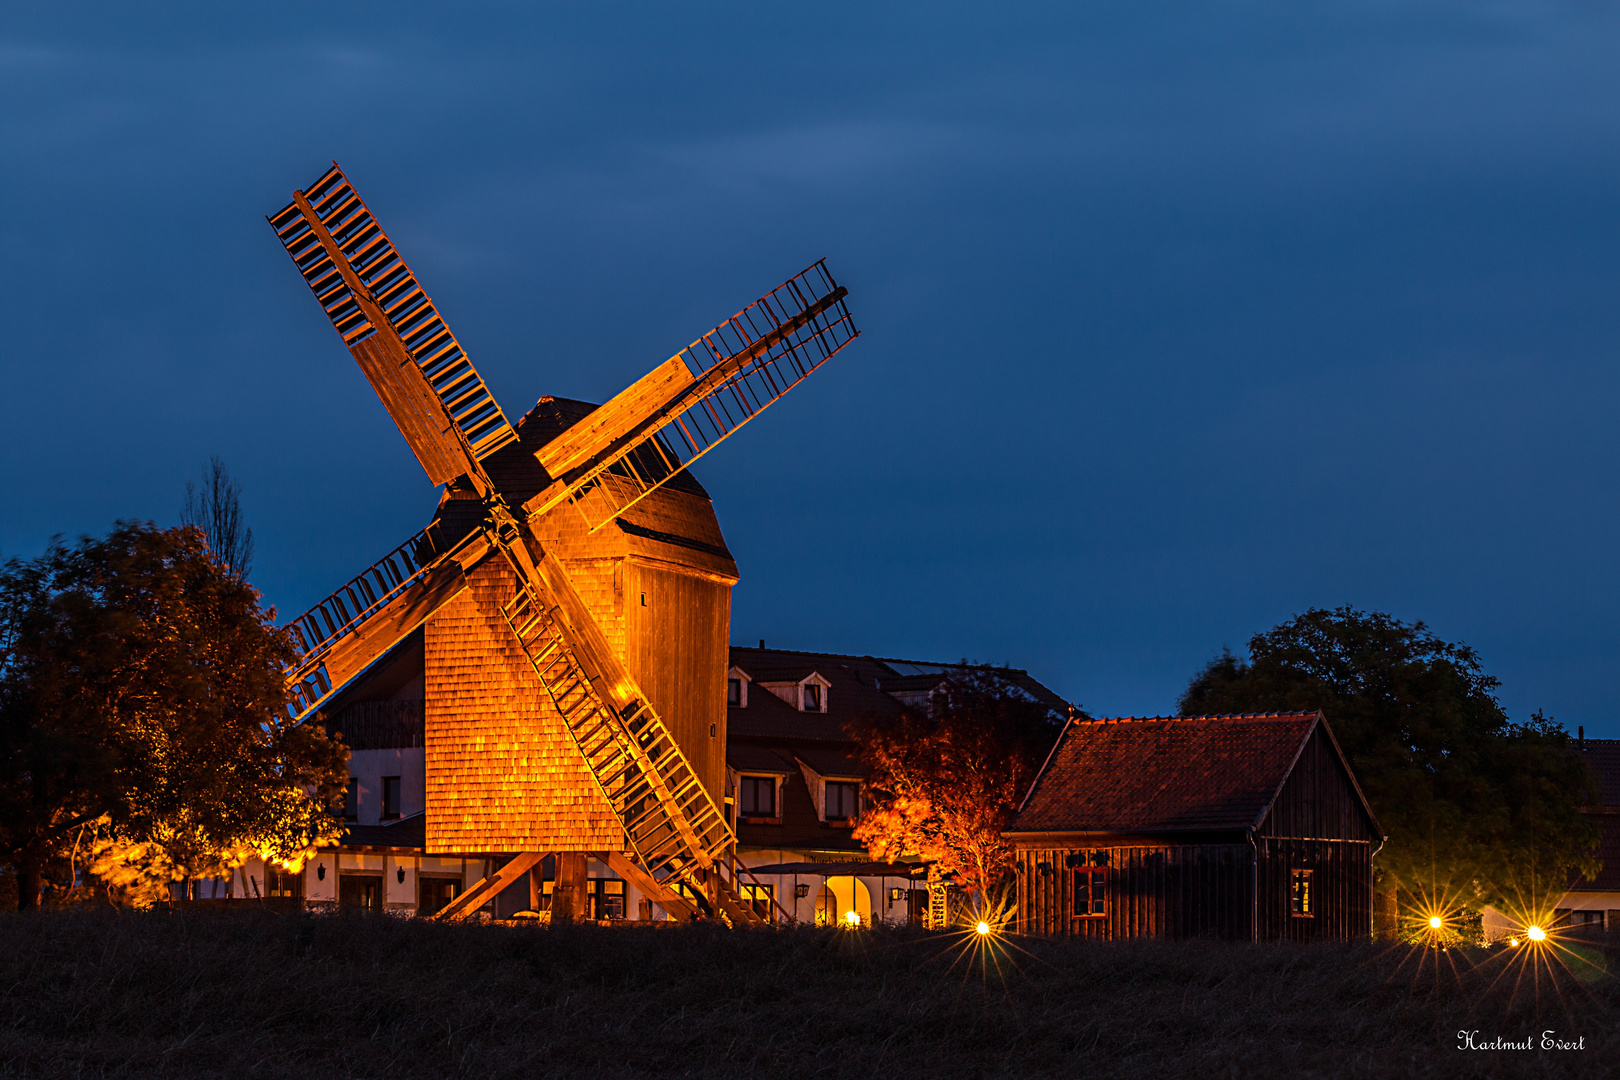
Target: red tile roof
column 1162, row 774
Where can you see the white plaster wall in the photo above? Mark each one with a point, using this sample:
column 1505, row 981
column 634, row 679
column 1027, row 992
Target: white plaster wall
column 396, row 893
column 317, row 887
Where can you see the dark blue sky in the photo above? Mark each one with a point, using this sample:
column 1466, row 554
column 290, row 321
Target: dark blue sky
column 1178, row 319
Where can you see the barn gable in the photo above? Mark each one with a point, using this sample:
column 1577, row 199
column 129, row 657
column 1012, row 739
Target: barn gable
column 1320, row 796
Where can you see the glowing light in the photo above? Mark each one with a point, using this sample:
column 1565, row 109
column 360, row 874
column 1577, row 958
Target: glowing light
column 1535, row 933
column 853, row 918
column 1514, row 942
column 1436, row 922
column 983, row 928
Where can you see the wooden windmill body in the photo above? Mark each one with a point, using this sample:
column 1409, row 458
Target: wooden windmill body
column 573, row 589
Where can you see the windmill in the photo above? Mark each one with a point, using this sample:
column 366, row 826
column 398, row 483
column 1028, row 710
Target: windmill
column 611, row 463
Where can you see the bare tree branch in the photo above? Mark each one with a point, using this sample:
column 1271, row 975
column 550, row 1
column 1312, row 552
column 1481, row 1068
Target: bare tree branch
column 216, row 509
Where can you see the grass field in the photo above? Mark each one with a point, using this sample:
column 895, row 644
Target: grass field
column 256, row 994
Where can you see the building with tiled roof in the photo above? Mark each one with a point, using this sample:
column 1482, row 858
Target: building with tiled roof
column 793, row 774
column 1242, row 827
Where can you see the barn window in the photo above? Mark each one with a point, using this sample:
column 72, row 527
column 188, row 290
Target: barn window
column 841, row 797
column 734, row 693
column 1090, row 891
column 390, row 793
column 812, row 697
column 1299, row 895
column 759, row 796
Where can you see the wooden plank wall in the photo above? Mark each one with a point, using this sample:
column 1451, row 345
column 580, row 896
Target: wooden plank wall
column 1317, row 800
column 678, row 648
column 1173, row 891
column 1341, row 889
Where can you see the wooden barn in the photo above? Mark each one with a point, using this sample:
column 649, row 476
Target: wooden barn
column 1237, row 827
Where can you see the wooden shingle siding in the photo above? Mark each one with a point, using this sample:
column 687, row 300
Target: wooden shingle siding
column 502, row 772
column 1174, row 891
column 1317, row 800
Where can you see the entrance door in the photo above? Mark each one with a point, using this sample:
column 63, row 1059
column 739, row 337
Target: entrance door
column 843, row 901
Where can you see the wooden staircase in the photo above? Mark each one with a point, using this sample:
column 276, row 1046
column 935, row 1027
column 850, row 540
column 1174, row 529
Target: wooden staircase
column 672, row 826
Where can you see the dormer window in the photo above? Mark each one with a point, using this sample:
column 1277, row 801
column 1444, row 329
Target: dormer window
column 737, row 681
column 808, row 694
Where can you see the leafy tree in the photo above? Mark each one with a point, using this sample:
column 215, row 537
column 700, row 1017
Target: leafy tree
column 946, row 781
column 216, row 509
column 1472, row 802
column 142, row 699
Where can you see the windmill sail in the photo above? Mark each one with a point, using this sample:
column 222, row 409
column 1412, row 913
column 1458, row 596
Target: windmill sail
column 341, row 635
column 397, row 336
column 715, row 386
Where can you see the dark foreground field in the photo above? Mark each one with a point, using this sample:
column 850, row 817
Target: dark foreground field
column 252, row 994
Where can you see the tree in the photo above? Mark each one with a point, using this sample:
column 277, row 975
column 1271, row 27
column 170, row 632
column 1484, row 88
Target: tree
column 216, row 509
column 946, row 781
column 142, row 695
column 1470, row 799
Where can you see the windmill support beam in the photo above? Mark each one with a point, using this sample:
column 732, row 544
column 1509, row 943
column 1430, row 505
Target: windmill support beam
column 489, row 888
column 673, row 904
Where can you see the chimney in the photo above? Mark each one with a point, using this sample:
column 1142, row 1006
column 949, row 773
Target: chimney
column 1580, row 736
column 762, row 643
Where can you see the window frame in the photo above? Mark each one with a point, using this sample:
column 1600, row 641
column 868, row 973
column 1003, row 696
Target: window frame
column 351, row 800
column 424, row 881
column 758, row 779
column 281, row 884
column 734, row 693
column 826, row 800
column 1301, row 901
column 761, row 897
column 811, row 697
column 1092, row 866
column 390, row 798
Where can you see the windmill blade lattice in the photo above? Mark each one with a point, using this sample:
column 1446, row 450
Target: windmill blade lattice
column 395, row 291
column 738, row 368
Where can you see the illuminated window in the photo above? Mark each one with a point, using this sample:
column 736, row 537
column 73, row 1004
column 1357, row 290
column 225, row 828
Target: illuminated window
column 282, row 884
column 607, row 898
column 812, row 697
column 1090, row 882
column 841, row 799
column 390, row 793
column 351, row 800
column 734, row 693
column 760, row 898
column 758, row 796
column 1299, row 895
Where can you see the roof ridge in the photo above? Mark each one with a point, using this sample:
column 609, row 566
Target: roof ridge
column 885, row 659
column 1191, row 719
